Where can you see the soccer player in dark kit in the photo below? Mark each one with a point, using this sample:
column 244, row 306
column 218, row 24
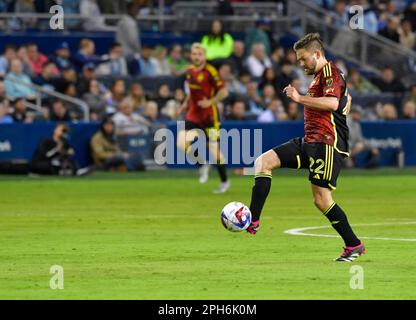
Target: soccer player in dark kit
column 206, row 90
column 323, row 147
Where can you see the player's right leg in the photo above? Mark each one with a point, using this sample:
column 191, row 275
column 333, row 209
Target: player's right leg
column 263, row 167
column 287, row 155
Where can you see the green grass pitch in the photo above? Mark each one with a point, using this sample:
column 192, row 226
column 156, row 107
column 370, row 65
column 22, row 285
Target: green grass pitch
column 158, row 235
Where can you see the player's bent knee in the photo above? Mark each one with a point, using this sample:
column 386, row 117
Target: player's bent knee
column 266, row 162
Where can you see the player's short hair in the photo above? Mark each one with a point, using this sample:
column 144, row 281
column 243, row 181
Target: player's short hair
column 198, row 45
column 311, row 41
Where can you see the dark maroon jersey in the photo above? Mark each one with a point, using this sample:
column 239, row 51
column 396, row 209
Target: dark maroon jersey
column 326, row 126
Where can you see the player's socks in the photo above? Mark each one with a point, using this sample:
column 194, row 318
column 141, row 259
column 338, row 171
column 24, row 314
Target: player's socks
column 261, row 189
column 222, row 171
column 340, row 223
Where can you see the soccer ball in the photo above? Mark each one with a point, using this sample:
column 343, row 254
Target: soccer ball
column 235, row 216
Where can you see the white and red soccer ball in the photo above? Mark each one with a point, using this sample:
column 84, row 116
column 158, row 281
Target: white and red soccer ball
column 236, row 216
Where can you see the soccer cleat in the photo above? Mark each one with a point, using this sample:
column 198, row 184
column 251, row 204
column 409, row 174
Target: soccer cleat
column 351, row 253
column 203, row 173
column 253, row 227
column 223, row 187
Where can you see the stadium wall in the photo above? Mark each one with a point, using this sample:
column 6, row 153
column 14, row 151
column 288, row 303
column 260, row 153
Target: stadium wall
column 19, row 141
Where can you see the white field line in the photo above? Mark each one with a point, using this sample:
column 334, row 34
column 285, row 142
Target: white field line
column 300, row 231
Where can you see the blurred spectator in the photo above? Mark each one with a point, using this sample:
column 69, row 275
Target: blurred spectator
column 160, row 59
column 23, row 56
column 20, row 113
column 68, row 76
column 143, row 64
column 409, row 110
column 357, row 84
column 176, row 61
column 293, row 112
column 105, row 151
column 59, row 112
column 269, row 78
column 391, row 30
column 274, row 112
column 172, row 106
column 255, row 102
column 48, row 76
column 62, row 56
column 88, row 74
column 86, row 55
column 268, row 94
column 339, row 17
column 163, row 96
column 411, row 94
column 151, row 113
column 233, row 85
column 407, row 36
column 258, row 61
column 37, row 60
column 236, row 60
column 95, row 101
column 128, row 34
column 116, row 65
column 129, row 123
column 92, row 17
column 277, row 56
column 388, row 112
column 237, row 111
column 117, row 93
column 218, row 43
column 410, row 14
column 357, row 142
column 258, row 35
column 5, row 117
column 70, row 7
column 8, row 55
column 15, row 89
column 55, row 156
column 388, row 82
column 136, row 97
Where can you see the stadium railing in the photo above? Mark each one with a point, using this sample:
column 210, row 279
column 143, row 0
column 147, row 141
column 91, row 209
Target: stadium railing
column 369, row 51
column 41, row 92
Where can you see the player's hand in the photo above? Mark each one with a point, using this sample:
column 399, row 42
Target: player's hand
column 205, row 103
column 292, row 93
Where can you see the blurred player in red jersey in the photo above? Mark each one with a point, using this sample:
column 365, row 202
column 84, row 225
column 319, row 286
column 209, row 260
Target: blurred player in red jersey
column 323, row 147
column 205, row 90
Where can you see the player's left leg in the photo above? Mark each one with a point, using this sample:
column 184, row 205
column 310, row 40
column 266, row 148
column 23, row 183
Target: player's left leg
column 336, row 216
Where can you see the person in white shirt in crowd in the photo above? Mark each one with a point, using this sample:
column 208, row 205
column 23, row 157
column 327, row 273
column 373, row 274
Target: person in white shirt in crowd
column 274, row 112
column 117, row 64
column 129, row 123
column 258, row 61
column 161, row 62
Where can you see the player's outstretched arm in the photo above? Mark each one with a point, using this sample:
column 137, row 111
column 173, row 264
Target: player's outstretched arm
column 319, row 103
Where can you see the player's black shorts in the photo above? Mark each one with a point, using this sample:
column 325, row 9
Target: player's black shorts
column 212, row 132
column 322, row 160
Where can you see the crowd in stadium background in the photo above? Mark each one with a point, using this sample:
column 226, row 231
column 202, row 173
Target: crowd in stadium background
column 255, row 68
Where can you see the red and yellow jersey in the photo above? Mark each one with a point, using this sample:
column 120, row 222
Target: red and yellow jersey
column 326, row 126
column 203, row 84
